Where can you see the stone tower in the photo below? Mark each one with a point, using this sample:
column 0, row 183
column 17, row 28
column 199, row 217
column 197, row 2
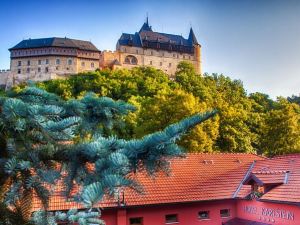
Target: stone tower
column 197, row 48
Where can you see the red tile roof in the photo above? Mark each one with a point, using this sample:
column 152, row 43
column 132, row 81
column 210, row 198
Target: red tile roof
column 197, row 177
column 286, row 168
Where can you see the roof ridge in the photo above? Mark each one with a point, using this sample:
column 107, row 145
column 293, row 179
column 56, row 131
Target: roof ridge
column 225, row 153
column 295, row 155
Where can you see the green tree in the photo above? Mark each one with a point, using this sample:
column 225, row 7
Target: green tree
column 281, row 130
column 168, row 107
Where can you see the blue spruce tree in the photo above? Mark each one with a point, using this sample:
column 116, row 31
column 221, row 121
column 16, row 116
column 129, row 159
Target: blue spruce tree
column 44, row 139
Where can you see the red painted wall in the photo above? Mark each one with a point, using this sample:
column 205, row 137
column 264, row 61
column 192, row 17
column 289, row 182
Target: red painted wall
column 273, row 213
column 187, row 213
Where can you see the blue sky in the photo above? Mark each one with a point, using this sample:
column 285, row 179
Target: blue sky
column 257, row 41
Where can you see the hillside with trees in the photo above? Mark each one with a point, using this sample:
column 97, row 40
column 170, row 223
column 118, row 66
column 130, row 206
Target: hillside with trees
column 245, row 122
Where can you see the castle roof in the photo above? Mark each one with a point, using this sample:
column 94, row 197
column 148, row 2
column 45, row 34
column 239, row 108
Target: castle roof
column 55, row 42
column 147, row 38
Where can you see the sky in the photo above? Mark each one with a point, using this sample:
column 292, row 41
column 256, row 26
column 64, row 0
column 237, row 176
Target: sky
column 256, row 41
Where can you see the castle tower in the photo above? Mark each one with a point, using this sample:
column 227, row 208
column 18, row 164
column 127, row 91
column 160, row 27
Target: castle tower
column 192, row 39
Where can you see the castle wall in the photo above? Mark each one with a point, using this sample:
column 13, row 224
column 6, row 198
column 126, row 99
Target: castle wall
column 167, row 61
column 4, row 77
column 39, row 68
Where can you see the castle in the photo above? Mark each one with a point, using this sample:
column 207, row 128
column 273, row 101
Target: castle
column 51, row 58
column 149, row 48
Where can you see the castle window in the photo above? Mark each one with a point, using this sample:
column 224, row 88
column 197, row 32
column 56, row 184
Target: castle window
column 162, row 54
column 28, row 70
column 124, row 49
column 151, row 52
column 40, row 62
column 189, row 57
column 160, row 63
column 137, row 51
column 92, row 65
column 69, row 61
column 130, row 59
column 39, row 69
column 57, row 68
column 47, row 61
column 170, row 64
column 127, row 60
column 184, row 56
column 57, row 61
column 46, row 69
column 150, row 62
column 82, row 64
column 19, row 63
column 19, row 71
column 28, row 63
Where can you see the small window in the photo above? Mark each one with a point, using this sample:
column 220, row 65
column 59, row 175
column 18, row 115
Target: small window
column 19, row 71
column 46, row 69
column 47, row 61
column 124, row 49
column 19, row 63
column 28, row 63
column 174, row 55
column 28, row 70
column 70, row 62
column 136, row 221
column 92, row 65
column 160, row 63
column 203, row 215
column 170, row 64
column 57, row 68
column 82, row 64
column 225, row 213
column 151, row 52
column 39, row 69
column 150, row 62
column 171, row 218
column 40, row 62
column 137, row 51
column 57, row 61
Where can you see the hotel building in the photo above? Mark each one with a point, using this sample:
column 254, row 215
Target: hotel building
column 207, row 189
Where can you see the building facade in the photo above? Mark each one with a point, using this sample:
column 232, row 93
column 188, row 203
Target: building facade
column 149, row 48
column 207, row 189
column 50, row 58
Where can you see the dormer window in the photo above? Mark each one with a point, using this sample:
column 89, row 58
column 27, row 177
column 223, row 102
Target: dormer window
column 264, row 180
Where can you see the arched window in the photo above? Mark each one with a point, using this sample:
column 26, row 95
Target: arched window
column 130, row 59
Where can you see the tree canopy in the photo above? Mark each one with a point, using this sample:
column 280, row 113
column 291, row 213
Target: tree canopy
column 242, row 124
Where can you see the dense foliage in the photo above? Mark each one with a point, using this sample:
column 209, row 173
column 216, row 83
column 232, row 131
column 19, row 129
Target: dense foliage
column 45, row 139
column 245, row 123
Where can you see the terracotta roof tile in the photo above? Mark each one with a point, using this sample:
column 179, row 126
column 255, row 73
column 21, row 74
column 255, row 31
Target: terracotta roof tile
column 198, row 177
column 274, row 169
